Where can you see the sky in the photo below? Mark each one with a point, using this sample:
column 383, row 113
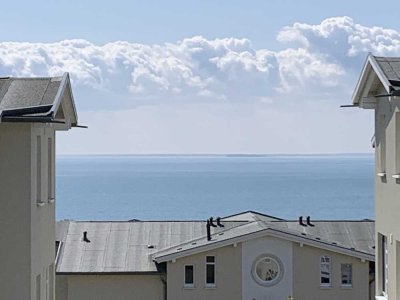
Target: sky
column 197, row 77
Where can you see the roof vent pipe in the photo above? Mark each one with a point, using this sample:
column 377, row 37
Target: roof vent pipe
column 309, row 221
column 301, row 221
column 219, row 222
column 212, row 222
column 208, row 226
column 85, row 238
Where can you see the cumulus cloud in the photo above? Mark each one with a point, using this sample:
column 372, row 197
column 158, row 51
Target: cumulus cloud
column 342, row 37
column 319, row 57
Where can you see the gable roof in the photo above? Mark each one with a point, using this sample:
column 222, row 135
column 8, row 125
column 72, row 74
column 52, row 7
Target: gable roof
column 354, row 238
column 38, row 100
column 377, row 72
column 251, row 215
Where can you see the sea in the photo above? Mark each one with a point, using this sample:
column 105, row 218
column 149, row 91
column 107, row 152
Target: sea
column 196, row 187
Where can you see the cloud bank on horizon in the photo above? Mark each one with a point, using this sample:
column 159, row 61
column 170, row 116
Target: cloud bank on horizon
column 316, row 62
column 317, row 57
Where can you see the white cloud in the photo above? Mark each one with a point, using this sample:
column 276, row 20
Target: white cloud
column 273, row 92
column 199, row 70
column 341, row 37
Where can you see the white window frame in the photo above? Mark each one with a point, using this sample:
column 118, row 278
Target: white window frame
column 323, row 262
column 188, row 285
column 50, row 170
column 350, row 275
column 384, row 264
column 214, row 263
column 381, row 145
column 397, row 144
column 51, row 282
column 39, row 170
column 38, row 287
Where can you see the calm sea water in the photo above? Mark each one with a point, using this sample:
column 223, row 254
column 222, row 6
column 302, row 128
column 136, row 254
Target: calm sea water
column 197, row 187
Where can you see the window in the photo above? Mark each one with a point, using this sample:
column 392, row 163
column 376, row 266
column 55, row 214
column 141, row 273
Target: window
column 381, row 145
column 39, row 169
column 189, row 276
column 325, row 271
column 347, row 274
column 384, row 264
column 38, row 284
column 267, row 270
column 210, row 271
column 50, row 178
column 51, row 282
column 397, row 144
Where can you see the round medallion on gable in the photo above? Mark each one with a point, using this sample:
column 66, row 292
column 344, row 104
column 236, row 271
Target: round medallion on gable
column 267, row 270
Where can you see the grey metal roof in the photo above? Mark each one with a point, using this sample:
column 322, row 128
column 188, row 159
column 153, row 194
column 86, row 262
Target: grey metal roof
column 358, row 235
column 355, row 237
column 122, row 246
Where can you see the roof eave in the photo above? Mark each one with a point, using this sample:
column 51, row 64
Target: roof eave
column 370, row 65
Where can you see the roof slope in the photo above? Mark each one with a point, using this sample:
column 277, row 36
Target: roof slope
column 122, row 246
column 133, row 246
column 42, row 99
column 390, row 67
column 354, row 238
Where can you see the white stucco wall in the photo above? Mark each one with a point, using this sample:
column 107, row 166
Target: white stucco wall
column 252, row 249
column 111, row 287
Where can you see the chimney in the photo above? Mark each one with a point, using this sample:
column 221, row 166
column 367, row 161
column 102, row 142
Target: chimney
column 85, row 238
column 212, row 222
column 301, row 221
column 208, row 226
column 309, row 221
column 219, row 222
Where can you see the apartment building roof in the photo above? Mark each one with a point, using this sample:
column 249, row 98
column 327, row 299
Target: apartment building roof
column 134, row 247
column 121, row 246
column 40, row 99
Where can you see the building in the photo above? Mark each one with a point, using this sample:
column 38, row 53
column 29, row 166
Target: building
column 379, row 88
column 31, row 110
column 244, row 256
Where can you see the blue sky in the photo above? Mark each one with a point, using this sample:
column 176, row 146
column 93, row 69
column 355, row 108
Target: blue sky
column 167, row 21
column 204, row 76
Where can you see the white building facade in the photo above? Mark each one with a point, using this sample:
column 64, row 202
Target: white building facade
column 378, row 89
column 31, row 110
